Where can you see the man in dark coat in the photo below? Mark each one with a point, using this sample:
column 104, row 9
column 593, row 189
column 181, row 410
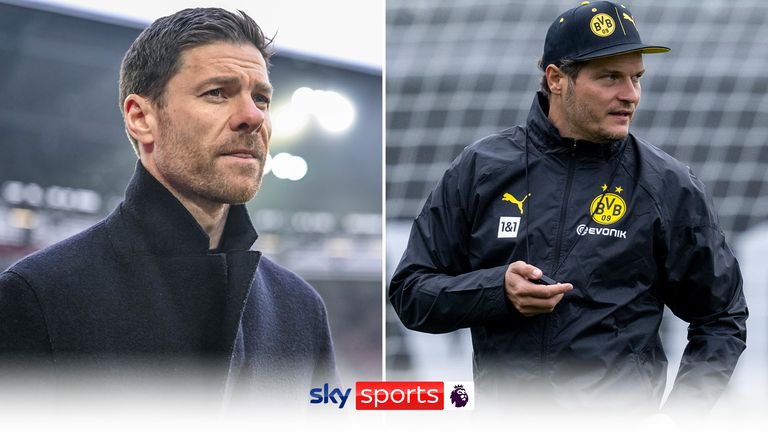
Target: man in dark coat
column 168, row 285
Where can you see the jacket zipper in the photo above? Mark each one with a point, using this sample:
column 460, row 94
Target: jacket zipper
column 564, row 210
column 558, row 246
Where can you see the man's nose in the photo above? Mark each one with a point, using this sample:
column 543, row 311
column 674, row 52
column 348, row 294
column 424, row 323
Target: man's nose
column 248, row 118
column 630, row 91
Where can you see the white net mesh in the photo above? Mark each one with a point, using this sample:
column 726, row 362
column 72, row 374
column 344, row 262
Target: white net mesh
column 459, row 70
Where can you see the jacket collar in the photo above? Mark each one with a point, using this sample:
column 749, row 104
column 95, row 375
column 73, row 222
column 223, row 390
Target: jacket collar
column 545, row 136
column 167, row 228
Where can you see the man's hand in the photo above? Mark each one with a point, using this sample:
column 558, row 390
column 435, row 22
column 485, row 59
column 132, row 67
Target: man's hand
column 530, row 298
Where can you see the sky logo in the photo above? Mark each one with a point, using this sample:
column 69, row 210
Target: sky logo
column 325, row 395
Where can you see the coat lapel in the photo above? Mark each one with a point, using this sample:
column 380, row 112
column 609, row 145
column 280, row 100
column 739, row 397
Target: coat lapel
column 201, row 294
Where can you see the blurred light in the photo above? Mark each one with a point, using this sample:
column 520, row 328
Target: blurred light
column 280, row 165
column 289, row 120
column 362, row 223
column 33, row 194
column 339, row 248
column 13, row 191
column 304, row 99
column 335, row 112
column 267, row 165
column 269, row 242
column 313, row 222
column 18, row 193
column 62, row 198
column 298, row 168
column 54, row 197
column 269, row 220
column 288, row 167
column 22, row 218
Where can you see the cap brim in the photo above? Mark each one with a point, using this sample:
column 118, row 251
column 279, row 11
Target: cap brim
column 622, row 49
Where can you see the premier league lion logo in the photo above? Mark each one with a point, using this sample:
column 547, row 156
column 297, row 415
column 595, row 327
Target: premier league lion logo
column 459, row 396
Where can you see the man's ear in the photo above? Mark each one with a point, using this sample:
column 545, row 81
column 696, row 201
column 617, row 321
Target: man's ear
column 555, row 79
column 140, row 121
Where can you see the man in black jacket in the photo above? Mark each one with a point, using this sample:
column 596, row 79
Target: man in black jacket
column 573, row 197
column 168, row 285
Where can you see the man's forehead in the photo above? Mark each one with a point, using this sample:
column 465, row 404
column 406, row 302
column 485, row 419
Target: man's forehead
column 222, row 55
column 619, row 62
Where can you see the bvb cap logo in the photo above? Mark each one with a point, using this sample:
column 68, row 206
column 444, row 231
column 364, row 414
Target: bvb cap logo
column 608, row 208
column 602, row 25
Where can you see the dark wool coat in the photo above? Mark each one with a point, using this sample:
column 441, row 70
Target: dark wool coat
column 141, row 294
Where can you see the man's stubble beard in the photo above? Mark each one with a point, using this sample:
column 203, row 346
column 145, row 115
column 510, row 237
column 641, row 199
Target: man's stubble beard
column 190, row 170
column 580, row 114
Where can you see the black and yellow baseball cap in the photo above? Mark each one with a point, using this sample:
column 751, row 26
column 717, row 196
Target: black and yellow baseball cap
column 594, row 30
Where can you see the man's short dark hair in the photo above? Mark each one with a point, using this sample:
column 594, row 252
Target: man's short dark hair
column 570, row 68
column 154, row 57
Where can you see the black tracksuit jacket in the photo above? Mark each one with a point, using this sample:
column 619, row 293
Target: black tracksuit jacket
column 628, row 225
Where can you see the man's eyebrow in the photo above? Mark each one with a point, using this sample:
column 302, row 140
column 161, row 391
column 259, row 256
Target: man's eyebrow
column 263, row 87
column 233, row 80
column 219, row 80
column 608, row 70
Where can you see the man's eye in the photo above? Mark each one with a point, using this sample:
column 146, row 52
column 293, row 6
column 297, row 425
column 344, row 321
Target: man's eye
column 215, row 92
column 262, row 99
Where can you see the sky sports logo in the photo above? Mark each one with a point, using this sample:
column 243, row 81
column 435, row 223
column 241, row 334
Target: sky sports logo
column 399, row 395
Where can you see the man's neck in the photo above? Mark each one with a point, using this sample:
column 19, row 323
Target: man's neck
column 557, row 118
column 211, row 216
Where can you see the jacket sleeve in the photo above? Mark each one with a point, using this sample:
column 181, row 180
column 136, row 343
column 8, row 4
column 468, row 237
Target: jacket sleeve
column 434, row 289
column 704, row 288
column 23, row 332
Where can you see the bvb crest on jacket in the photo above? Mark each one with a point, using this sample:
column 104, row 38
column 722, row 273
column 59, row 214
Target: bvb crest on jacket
column 608, row 207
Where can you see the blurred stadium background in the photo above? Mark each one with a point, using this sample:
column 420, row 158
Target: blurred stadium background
column 66, row 160
column 458, row 70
